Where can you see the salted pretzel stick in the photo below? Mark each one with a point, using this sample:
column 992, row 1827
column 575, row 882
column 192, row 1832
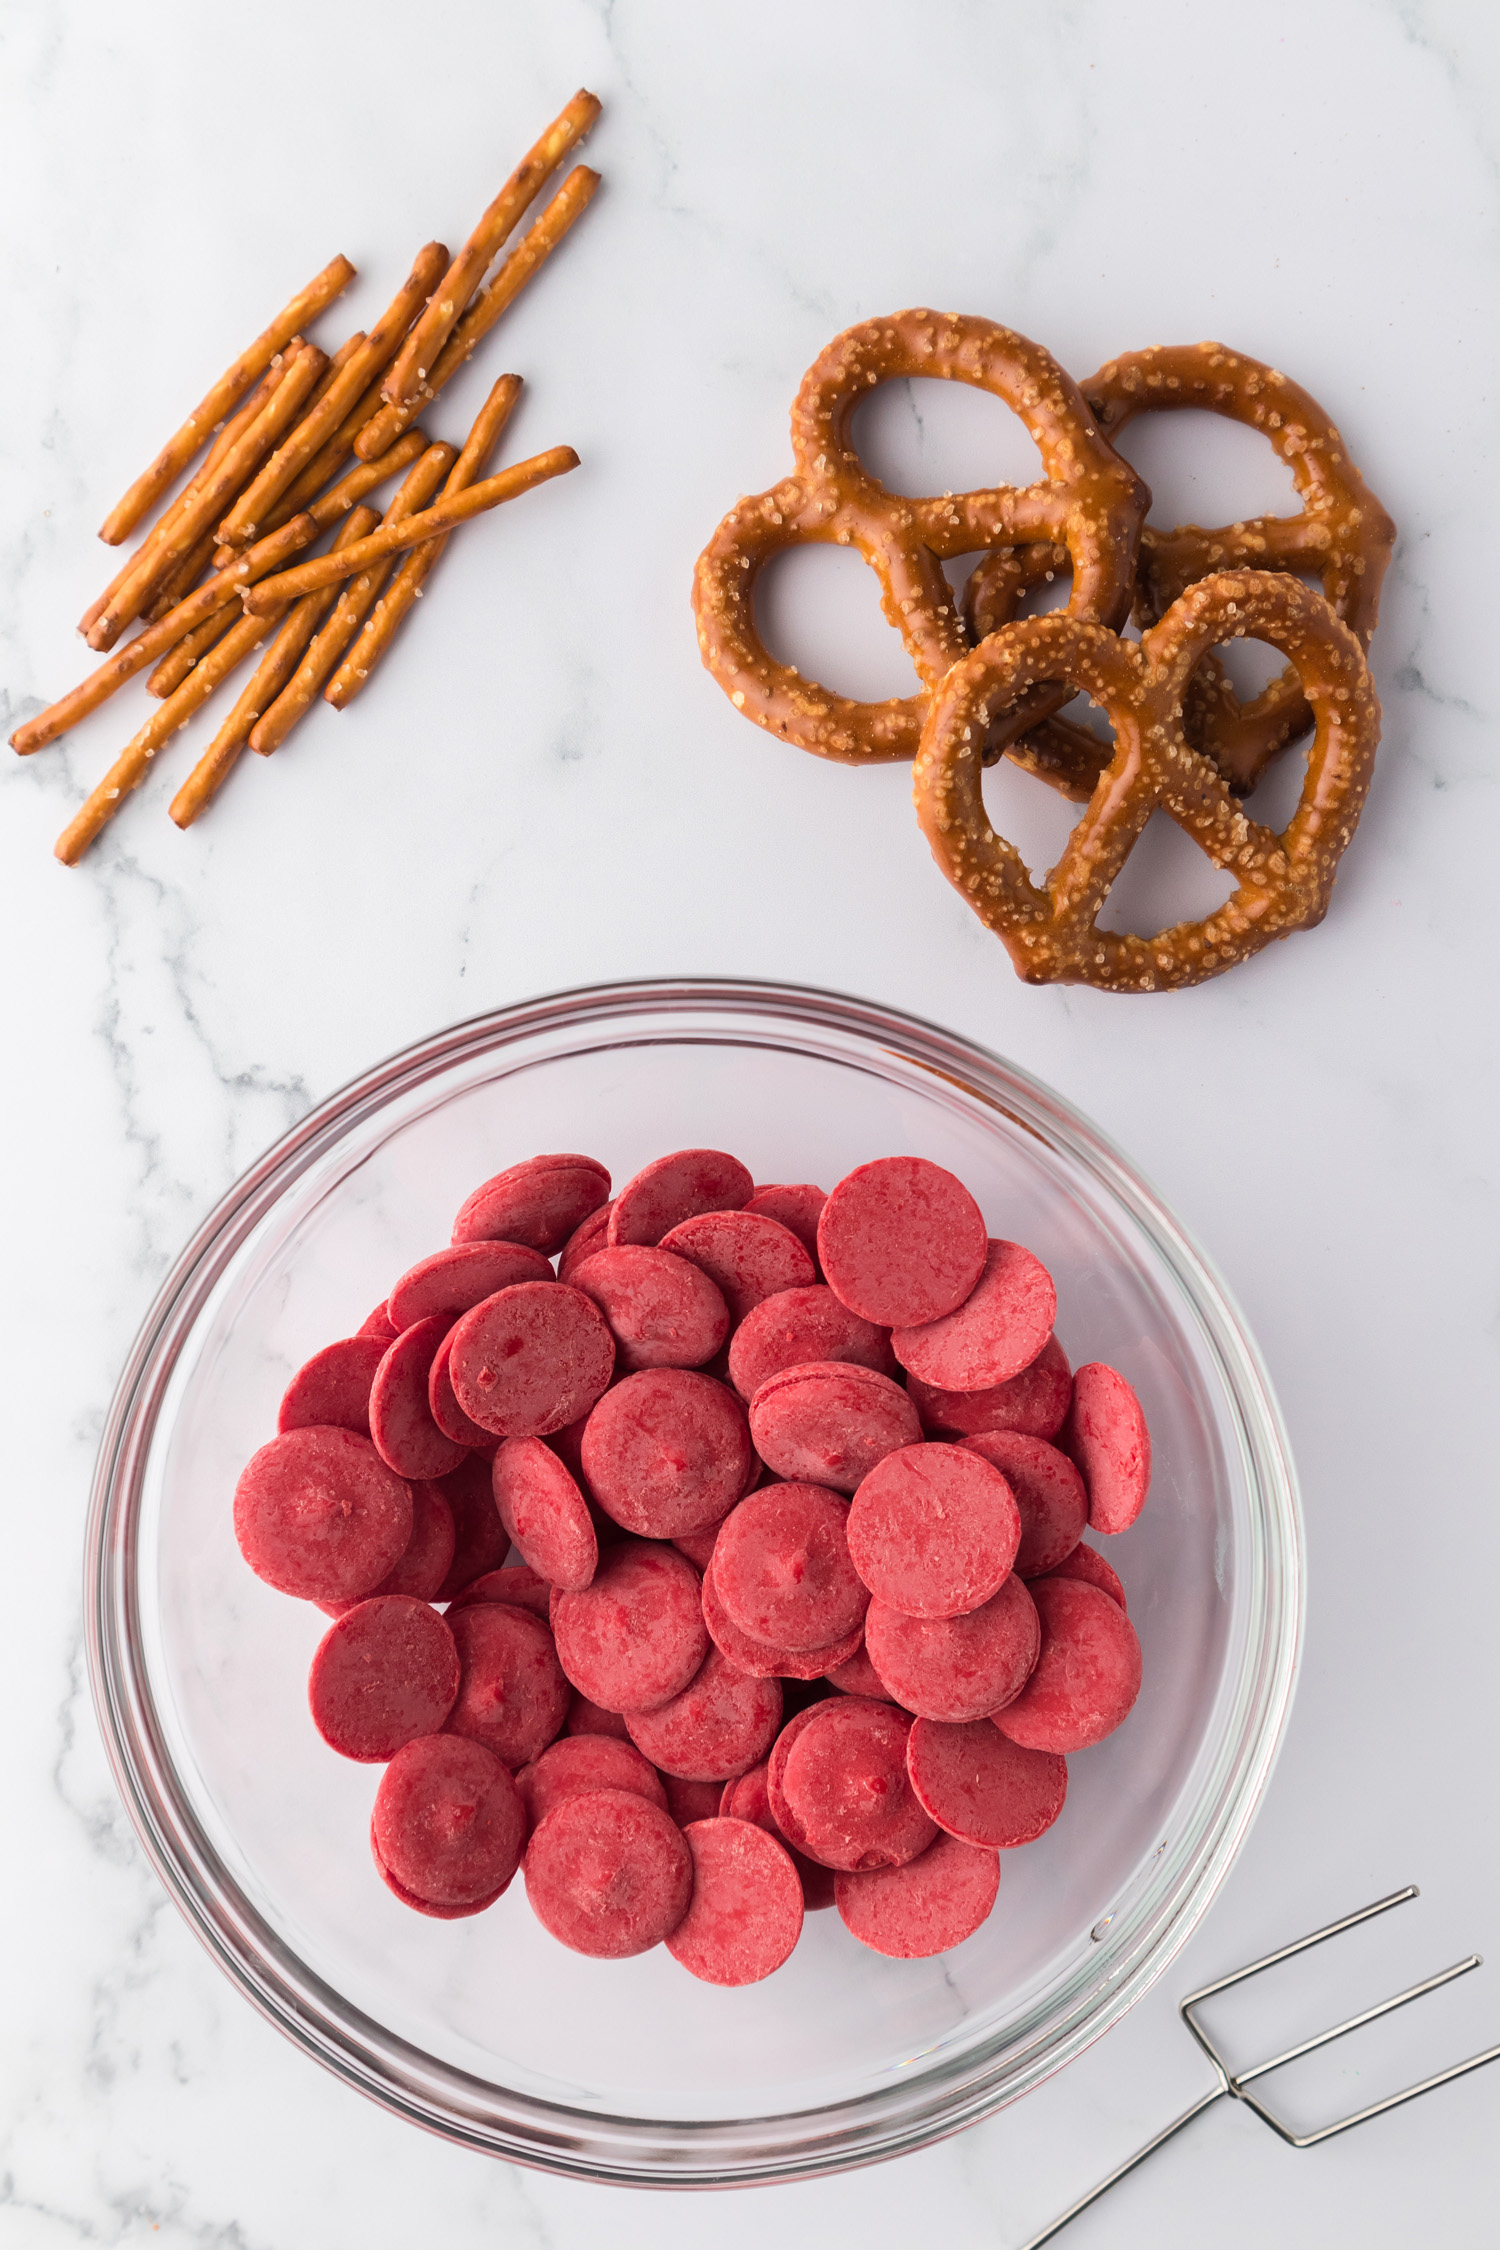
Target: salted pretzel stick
column 222, row 398
column 571, row 199
column 394, row 539
column 172, row 515
column 365, row 365
column 204, row 509
column 420, row 351
column 212, row 595
column 179, row 661
column 183, row 579
column 270, row 677
column 134, row 761
column 379, row 627
column 349, row 612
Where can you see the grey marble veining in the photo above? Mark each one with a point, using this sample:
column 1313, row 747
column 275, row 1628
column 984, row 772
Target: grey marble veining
column 543, row 788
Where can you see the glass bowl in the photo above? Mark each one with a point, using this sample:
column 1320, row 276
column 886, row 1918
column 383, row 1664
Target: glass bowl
column 486, row 2030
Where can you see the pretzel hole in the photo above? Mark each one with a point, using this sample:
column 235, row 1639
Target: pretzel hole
column 1204, row 468
column 922, row 436
column 1037, row 819
column 818, row 608
column 1278, row 792
column 1167, row 879
column 1250, row 666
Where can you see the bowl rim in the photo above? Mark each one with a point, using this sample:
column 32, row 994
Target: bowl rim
column 585, row 2144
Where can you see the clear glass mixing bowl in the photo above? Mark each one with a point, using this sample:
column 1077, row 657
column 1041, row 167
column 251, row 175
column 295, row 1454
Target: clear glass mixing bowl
column 486, row 2030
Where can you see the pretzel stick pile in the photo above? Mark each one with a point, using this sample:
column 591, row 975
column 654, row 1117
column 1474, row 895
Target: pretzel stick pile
column 293, row 440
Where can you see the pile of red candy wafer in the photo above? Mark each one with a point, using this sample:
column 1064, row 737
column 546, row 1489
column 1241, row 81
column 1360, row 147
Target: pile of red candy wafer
column 804, row 1615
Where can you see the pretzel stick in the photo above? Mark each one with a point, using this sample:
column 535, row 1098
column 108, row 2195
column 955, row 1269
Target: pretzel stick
column 157, row 639
column 172, row 515
column 225, row 394
column 348, row 614
column 249, row 450
column 380, row 626
column 463, row 277
column 134, row 761
column 179, row 661
column 183, row 579
column 571, row 199
column 394, row 539
column 365, row 364
column 270, row 677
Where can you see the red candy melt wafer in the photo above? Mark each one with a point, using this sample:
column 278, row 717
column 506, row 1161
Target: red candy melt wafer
column 1087, row 1563
column 423, row 1905
column 1049, row 1494
column 901, row 1241
column 749, row 1798
column 1088, row 1673
column 675, row 1188
column 982, row 1787
column 444, row 1408
column 585, row 1717
column 608, row 1874
column 454, row 1280
column 448, row 1825
column 530, row 1359
column 798, row 1326
column 782, row 1567
column 667, row 1451
column 747, row 1256
column 720, row 1724
column 934, row 1530
column 846, row 1785
column 698, row 1546
column 379, row 1323
column 688, row 1800
column 1106, row 1435
column 519, row 1585
column 929, row 1906
column 589, row 1235
column 318, row 1514
column 746, row 1910
column 538, row 1203
column 332, row 1389
column 767, row 1660
column 663, row 1311
column 956, row 1668
column 424, row 1561
column 580, row 1762
column 829, row 1423
column 1035, row 1402
column 635, row 1636
column 406, row 1437
column 545, row 1513
column 384, row 1673
column 798, row 1207
column 512, row 1697
column 996, row 1332
column 480, row 1540
column 857, row 1676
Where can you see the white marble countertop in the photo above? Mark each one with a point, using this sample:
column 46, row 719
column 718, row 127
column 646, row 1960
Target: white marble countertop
column 544, row 789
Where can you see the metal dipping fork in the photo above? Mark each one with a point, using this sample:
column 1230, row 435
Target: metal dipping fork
column 1237, row 2083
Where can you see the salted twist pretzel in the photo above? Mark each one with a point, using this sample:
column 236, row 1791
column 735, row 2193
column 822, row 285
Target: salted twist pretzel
column 1283, row 881
column 1343, row 536
column 1089, row 507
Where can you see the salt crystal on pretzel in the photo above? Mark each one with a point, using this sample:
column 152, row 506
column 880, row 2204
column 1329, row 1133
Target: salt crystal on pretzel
column 1088, row 500
column 271, row 675
column 221, row 399
column 1284, row 881
column 418, row 487
column 420, row 351
column 205, row 506
column 101, row 683
column 541, row 239
column 367, row 359
column 379, row 628
column 179, row 661
column 394, row 539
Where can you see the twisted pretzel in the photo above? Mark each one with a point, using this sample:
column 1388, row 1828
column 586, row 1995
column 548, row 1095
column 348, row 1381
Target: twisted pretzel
column 1090, row 502
column 1284, row 881
column 1343, row 535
